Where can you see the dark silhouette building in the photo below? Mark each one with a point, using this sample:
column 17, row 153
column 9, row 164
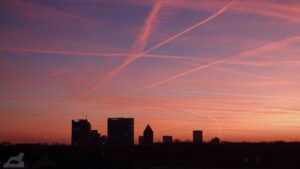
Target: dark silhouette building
column 148, row 136
column 167, row 139
column 141, row 140
column 95, row 138
column 197, row 136
column 120, row 131
column 215, row 140
column 81, row 130
column 103, row 140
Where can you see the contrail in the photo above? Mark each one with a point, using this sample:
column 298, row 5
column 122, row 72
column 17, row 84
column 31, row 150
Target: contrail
column 168, row 57
column 239, row 56
column 137, row 47
column 51, row 75
column 135, row 55
column 63, row 52
column 91, row 54
column 249, row 95
column 219, row 12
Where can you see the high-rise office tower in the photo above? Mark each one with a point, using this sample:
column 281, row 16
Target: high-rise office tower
column 81, row 130
column 148, row 136
column 197, row 136
column 120, row 131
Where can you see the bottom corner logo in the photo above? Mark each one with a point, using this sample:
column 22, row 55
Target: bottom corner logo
column 15, row 162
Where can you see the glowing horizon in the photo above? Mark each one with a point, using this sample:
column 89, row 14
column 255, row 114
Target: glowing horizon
column 230, row 68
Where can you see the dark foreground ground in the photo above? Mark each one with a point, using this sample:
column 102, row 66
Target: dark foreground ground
column 158, row 156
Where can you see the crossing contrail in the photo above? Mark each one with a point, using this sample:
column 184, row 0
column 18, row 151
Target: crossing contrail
column 136, row 48
column 219, row 12
column 239, row 56
column 135, row 55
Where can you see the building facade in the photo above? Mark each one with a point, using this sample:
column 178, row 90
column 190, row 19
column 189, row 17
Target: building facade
column 120, row 131
column 81, row 130
column 148, row 136
column 141, row 140
column 167, row 139
column 197, row 136
column 95, row 137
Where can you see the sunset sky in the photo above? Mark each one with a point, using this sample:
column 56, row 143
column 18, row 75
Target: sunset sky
column 229, row 68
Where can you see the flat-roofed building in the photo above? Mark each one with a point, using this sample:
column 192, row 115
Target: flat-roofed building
column 81, row 130
column 197, row 136
column 120, row 131
column 167, row 139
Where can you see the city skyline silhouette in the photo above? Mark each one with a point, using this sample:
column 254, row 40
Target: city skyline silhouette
column 120, row 132
column 149, row 84
column 227, row 67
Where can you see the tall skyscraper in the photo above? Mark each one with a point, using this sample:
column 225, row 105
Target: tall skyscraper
column 81, row 130
column 120, row 131
column 148, row 136
column 197, row 136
